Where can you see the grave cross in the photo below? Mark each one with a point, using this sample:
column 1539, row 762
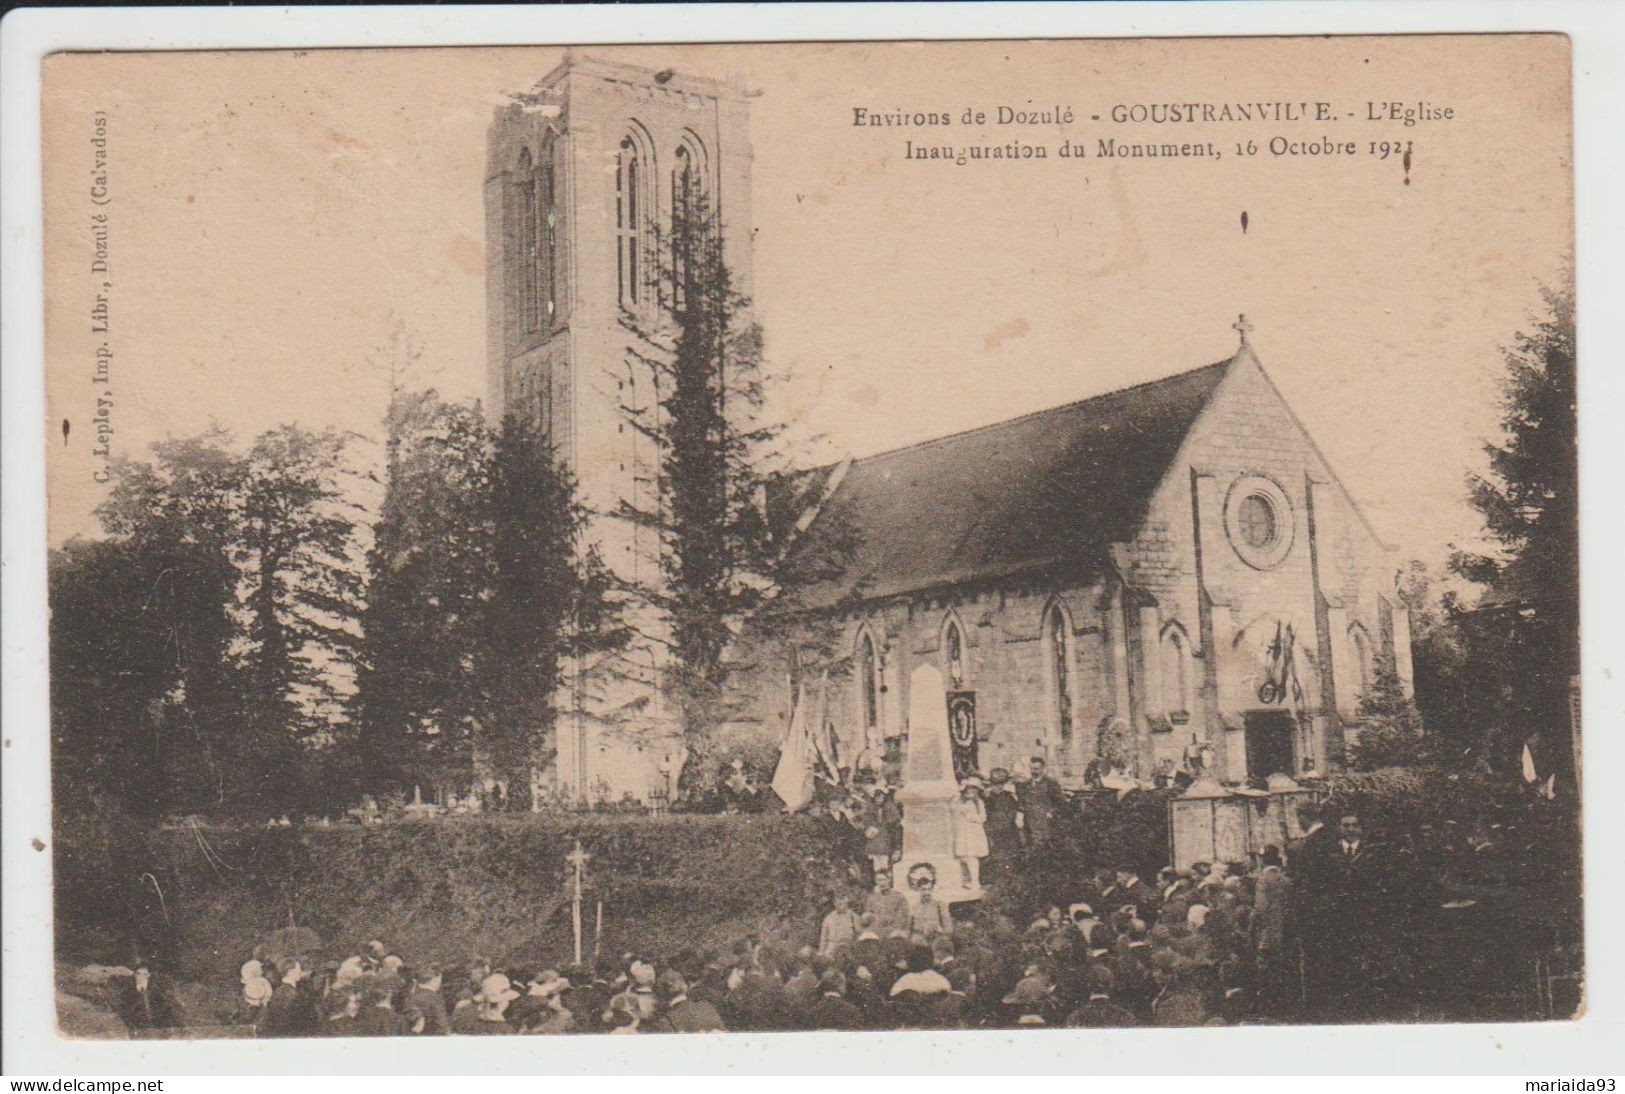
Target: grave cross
column 578, row 859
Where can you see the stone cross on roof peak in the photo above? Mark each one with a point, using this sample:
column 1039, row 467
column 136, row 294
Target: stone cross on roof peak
column 1243, row 327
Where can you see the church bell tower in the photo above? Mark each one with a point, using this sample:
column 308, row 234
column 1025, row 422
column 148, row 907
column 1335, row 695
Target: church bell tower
column 582, row 174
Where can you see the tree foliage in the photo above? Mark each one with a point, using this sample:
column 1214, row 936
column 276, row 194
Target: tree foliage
column 296, row 545
column 718, row 452
column 480, row 587
column 550, row 599
column 427, row 581
column 205, row 640
column 228, row 646
column 1530, row 499
column 139, row 704
column 1390, row 733
column 1527, row 626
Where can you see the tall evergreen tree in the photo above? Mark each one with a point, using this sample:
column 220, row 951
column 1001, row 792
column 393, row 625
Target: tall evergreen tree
column 718, row 454
column 428, row 583
column 480, row 588
column 550, row 600
column 1528, row 623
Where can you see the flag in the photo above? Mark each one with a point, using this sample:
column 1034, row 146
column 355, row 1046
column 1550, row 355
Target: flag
column 792, row 779
column 821, row 731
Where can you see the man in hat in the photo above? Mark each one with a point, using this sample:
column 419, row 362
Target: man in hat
column 832, row 1010
column 1032, row 1001
column 1129, row 889
column 489, row 1015
column 1040, row 799
column 682, row 1014
column 148, row 1003
column 1132, row 986
column 425, row 1007
column 840, row 926
column 291, row 1011
column 1310, row 854
column 886, row 905
column 1098, row 1010
column 377, row 1017
column 1003, row 837
column 555, row 1017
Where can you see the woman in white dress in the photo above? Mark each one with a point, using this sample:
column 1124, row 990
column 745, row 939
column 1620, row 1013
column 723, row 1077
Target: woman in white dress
column 970, row 835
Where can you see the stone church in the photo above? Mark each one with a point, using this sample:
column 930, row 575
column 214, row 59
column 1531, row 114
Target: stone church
column 1166, row 574
column 1173, row 567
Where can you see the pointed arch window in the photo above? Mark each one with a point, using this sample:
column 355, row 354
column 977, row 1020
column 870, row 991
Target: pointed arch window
column 1362, row 657
column 529, row 236
column 953, row 654
column 1058, row 643
column 687, row 210
column 1176, row 672
column 868, row 682
column 630, row 177
column 548, row 201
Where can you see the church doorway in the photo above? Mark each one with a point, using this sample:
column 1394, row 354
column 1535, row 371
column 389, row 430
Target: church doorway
column 1269, row 743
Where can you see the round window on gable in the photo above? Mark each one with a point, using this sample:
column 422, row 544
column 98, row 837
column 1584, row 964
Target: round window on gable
column 1258, row 520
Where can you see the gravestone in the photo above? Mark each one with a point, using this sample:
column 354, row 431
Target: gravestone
column 929, row 790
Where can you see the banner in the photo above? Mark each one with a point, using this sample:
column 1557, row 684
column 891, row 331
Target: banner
column 962, row 732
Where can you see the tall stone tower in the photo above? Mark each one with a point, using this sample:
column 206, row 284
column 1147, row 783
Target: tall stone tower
column 581, row 177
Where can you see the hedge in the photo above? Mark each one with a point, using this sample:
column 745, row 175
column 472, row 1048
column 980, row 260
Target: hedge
column 446, row 889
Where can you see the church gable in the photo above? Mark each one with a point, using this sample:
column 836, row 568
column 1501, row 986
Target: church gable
column 1251, row 454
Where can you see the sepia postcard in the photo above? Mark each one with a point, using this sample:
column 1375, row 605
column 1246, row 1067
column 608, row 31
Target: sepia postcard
column 852, row 537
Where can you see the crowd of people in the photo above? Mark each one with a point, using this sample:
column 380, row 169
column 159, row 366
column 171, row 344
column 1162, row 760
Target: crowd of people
column 1212, row 944
column 994, row 819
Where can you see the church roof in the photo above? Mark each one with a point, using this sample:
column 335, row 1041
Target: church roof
column 1044, row 492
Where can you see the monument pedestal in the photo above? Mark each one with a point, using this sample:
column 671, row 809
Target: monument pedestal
column 929, row 792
